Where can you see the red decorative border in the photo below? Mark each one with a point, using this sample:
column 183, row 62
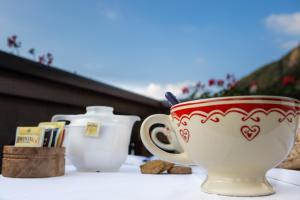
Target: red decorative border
column 238, row 98
column 247, row 110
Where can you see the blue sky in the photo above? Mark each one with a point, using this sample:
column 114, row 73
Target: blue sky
column 149, row 46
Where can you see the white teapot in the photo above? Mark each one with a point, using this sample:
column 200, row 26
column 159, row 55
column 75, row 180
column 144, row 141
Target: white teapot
column 97, row 140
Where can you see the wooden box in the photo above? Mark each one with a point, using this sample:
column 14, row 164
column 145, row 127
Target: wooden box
column 33, row 162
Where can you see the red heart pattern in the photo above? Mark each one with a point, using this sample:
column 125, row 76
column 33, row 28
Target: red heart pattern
column 185, row 134
column 250, row 132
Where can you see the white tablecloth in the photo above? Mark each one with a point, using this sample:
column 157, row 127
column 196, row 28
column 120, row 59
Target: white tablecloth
column 130, row 184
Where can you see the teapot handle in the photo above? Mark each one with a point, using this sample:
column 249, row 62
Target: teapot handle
column 56, row 118
column 180, row 158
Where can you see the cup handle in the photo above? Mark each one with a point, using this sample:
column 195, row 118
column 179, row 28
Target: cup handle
column 173, row 143
column 180, row 158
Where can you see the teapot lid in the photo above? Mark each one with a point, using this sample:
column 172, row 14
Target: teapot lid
column 102, row 110
column 103, row 114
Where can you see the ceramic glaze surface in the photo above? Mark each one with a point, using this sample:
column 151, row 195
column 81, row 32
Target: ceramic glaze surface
column 236, row 139
column 105, row 151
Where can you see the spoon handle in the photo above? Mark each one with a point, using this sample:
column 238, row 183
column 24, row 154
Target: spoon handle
column 171, row 98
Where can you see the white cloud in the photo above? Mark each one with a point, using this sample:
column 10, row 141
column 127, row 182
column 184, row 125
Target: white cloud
column 290, row 44
column 153, row 90
column 284, row 23
column 156, row 90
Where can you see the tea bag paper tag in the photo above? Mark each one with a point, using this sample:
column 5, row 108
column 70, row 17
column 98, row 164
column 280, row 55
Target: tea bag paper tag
column 29, row 137
column 92, row 129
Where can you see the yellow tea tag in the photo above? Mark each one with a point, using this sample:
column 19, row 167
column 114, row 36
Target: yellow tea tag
column 29, row 137
column 92, row 129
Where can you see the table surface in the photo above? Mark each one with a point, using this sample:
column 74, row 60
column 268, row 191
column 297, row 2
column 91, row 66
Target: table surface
column 129, row 183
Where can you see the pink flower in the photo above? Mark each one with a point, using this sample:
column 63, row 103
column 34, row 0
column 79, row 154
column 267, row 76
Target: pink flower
column 253, row 87
column 49, row 58
column 220, row 83
column 288, row 80
column 211, row 82
column 185, row 90
column 253, row 83
column 231, row 85
column 42, row 59
column 12, row 41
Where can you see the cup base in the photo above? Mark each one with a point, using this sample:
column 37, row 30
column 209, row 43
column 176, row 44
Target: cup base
column 244, row 187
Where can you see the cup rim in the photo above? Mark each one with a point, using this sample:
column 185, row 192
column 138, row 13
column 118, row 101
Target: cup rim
column 244, row 97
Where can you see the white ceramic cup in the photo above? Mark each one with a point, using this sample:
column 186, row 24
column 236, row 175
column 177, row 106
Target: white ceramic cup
column 236, row 139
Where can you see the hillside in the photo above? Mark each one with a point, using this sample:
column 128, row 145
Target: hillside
column 281, row 77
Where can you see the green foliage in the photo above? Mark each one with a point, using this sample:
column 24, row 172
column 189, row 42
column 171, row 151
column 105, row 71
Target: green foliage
column 279, row 78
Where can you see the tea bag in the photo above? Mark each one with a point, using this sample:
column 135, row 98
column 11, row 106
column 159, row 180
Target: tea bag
column 29, row 137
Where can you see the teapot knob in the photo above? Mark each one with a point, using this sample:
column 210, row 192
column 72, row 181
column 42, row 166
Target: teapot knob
column 99, row 109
